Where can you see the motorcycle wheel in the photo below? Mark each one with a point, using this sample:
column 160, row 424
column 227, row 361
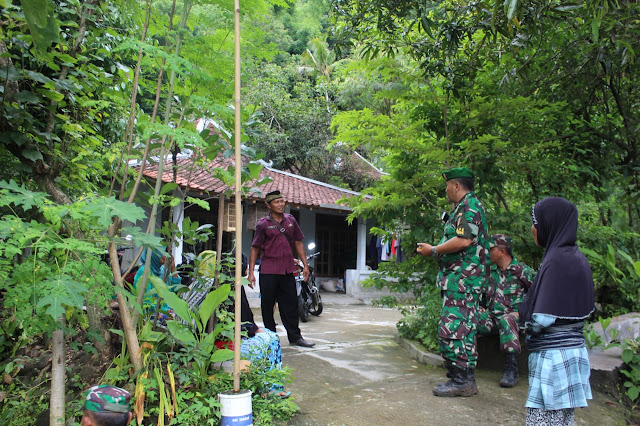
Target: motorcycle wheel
column 303, row 310
column 316, row 301
column 317, row 311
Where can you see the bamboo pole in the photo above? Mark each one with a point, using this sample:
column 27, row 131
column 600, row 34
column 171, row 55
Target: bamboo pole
column 238, row 201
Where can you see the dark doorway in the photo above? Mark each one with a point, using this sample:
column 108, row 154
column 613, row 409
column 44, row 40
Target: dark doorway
column 336, row 241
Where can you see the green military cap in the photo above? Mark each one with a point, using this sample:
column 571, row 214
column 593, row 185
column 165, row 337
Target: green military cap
column 500, row 240
column 460, row 172
column 107, row 399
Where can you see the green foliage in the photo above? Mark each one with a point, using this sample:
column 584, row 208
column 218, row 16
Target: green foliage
column 59, row 292
column 104, row 209
column 52, row 274
column 12, row 338
column 59, row 104
column 420, row 322
column 23, row 405
column 43, row 26
column 294, row 128
column 515, row 91
column 631, row 358
column 68, row 75
column 18, row 195
column 57, row 270
column 180, row 379
column 619, row 277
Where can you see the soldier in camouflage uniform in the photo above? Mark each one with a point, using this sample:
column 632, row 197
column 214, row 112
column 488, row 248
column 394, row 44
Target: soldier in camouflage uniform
column 463, row 272
column 509, row 282
column 106, row 405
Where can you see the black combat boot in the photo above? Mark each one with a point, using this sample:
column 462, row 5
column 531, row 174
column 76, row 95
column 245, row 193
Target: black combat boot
column 449, row 367
column 459, row 385
column 471, row 374
column 510, row 377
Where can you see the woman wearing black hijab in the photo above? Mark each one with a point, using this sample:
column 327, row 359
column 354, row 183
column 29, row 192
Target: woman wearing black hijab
column 553, row 315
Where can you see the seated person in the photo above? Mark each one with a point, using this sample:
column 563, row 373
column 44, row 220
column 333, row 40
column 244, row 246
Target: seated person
column 106, row 405
column 261, row 346
column 157, row 268
column 509, row 281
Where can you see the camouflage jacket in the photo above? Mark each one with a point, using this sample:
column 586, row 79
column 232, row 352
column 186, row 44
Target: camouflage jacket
column 465, row 271
column 507, row 288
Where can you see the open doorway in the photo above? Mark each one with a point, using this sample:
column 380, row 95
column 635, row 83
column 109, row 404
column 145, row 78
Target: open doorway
column 336, row 241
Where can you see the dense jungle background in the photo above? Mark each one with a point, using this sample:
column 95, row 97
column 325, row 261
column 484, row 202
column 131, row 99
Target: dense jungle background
column 539, row 98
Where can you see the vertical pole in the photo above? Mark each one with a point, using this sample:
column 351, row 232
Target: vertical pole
column 238, row 201
column 361, row 259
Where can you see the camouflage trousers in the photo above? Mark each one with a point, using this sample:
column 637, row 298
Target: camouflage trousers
column 507, row 326
column 457, row 329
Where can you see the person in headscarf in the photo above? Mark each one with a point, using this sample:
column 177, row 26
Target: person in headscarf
column 157, row 268
column 553, row 314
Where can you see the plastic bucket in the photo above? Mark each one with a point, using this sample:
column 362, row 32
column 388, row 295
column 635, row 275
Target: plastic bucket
column 236, row 408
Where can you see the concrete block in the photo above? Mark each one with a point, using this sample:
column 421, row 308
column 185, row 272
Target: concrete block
column 354, row 279
column 627, row 327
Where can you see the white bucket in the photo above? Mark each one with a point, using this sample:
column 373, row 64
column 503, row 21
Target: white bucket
column 236, row 408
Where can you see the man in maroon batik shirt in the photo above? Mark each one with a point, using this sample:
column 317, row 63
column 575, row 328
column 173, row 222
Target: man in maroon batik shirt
column 276, row 236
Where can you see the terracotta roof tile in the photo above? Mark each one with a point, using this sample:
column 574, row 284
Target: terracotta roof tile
column 295, row 189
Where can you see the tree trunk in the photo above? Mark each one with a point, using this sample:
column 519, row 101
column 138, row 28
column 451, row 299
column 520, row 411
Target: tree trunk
column 56, row 401
column 94, row 313
column 128, row 324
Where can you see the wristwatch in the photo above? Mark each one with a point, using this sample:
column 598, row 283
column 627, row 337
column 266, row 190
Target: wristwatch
column 433, row 251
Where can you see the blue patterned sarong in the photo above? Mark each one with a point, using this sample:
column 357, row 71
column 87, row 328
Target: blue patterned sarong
column 558, row 379
column 264, row 349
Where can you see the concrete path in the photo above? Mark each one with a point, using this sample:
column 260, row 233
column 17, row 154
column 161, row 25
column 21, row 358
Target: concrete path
column 359, row 375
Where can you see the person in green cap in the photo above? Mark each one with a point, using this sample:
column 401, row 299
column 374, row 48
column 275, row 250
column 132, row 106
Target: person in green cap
column 462, row 255
column 509, row 282
column 106, row 405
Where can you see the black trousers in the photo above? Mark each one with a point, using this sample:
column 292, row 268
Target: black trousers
column 282, row 289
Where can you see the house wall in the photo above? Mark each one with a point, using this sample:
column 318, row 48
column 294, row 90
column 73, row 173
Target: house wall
column 307, row 225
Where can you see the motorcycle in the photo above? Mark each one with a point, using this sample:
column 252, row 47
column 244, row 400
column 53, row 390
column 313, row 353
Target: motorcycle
column 309, row 300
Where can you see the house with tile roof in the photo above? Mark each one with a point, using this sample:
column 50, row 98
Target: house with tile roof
column 316, row 206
